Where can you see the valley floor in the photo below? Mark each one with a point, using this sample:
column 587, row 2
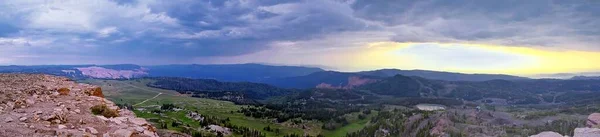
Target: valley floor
column 144, row 99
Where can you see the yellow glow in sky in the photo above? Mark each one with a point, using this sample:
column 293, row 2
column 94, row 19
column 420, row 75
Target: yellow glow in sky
column 477, row 58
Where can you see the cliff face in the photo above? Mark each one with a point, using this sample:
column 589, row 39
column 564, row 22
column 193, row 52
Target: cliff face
column 44, row 105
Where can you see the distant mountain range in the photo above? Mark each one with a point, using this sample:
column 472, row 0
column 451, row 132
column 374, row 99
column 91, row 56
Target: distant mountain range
column 342, row 79
column 439, row 75
column 585, row 77
column 580, row 75
column 282, row 76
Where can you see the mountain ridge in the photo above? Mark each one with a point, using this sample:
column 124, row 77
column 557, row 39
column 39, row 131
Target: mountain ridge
column 440, row 75
column 282, row 76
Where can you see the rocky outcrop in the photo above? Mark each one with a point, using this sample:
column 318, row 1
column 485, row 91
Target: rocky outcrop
column 33, row 106
column 593, row 120
column 586, row 132
column 591, row 130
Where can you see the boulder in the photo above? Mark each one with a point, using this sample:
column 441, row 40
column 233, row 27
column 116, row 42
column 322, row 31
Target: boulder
column 593, row 120
column 22, row 119
column 587, row 132
column 91, row 130
column 8, row 120
column 547, row 134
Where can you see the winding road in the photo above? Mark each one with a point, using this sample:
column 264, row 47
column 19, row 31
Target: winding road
column 148, row 99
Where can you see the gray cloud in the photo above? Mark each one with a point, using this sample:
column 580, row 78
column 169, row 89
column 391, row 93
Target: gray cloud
column 564, row 24
column 142, row 30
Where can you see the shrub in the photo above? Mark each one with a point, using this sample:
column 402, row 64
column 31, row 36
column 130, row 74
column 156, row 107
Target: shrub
column 104, row 111
column 64, row 91
column 97, row 92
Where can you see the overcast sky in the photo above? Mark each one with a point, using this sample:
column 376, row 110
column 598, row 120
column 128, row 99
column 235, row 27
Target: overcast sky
column 521, row 37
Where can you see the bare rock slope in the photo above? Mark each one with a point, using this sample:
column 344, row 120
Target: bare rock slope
column 44, row 105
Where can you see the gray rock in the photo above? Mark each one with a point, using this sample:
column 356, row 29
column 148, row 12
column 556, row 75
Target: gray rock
column 22, row 119
column 139, row 129
column 149, row 133
column 30, row 102
column 138, row 121
column 593, row 120
column 102, row 118
column 62, row 126
column 91, row 130
column 8, row 120
column 547, row 134
column 119, row 122
column 122, row 118
column 587, row 132
column 10, row 106
column 122, row 133
column 48, row 117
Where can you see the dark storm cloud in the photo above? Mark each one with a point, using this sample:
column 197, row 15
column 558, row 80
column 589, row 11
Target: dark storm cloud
column 511, row 22
column 182, row 29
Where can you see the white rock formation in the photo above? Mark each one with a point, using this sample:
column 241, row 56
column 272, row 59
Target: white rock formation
column 587, row 132
column 548, row 134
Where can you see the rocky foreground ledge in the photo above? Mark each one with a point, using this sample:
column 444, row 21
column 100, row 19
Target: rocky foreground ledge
column 45, row 105
column 592, row 129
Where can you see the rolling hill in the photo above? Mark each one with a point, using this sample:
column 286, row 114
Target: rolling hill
column 440, row 75
column 230, row 72
column 333, row 78
column 341, row 79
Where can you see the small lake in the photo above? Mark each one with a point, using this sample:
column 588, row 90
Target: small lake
column 430, row 107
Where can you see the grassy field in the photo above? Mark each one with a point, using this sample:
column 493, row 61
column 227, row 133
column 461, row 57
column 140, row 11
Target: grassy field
column 136, row 92
column 354, row 125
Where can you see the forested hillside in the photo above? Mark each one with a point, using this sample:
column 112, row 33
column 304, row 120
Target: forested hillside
column 214, row 88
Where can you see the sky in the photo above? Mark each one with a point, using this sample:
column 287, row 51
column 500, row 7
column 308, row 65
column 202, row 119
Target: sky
column 519, row 37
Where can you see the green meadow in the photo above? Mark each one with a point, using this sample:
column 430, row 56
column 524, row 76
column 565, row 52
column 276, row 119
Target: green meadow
column 136, row 92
